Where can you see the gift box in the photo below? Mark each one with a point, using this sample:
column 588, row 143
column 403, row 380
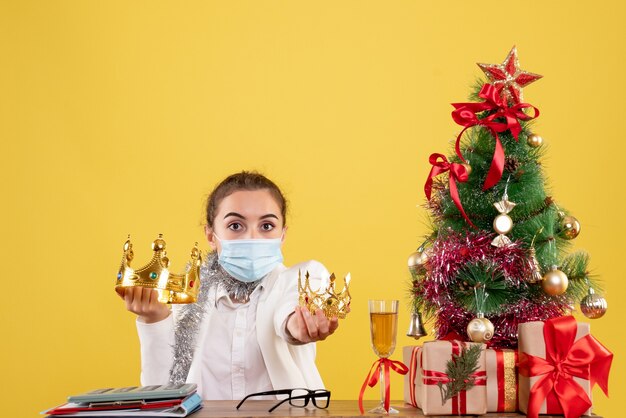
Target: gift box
column 501, row 365
column 559, row 362
column 411, row 356
column 428, row 371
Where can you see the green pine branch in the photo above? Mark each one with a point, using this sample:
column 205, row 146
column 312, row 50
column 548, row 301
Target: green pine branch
column 487, row 278
column 460, row 370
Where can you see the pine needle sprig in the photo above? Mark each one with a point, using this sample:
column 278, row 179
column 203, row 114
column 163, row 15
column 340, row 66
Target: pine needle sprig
column 460, row 370
column 489, row 278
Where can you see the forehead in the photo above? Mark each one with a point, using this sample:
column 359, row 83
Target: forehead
column 249, row 203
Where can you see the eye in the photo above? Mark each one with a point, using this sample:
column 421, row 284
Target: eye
column 235, row 226
column 267, row 227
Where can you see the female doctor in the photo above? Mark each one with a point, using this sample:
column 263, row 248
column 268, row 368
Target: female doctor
column 246, row 333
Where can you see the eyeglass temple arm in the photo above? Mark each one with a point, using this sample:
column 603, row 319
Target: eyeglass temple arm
column 283, row 401
column 269, row 392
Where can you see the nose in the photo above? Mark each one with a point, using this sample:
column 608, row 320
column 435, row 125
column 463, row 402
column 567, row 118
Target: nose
column 255, row 234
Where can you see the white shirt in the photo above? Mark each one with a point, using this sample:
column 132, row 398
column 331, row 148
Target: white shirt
column 288, row 365
column 232, row 357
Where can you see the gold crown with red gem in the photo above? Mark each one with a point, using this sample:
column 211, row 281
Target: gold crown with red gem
column 325, row 298
column 172, row 288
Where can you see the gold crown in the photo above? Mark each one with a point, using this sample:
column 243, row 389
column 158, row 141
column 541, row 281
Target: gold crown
column 172, row 288
column 333, row 304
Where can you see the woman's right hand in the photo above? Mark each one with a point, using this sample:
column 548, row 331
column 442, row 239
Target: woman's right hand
column 144, row 302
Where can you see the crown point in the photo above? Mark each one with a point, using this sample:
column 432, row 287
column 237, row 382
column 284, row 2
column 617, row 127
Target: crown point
column 159, row 243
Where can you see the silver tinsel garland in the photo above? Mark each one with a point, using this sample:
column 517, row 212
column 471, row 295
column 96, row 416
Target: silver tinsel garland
column 190, row 316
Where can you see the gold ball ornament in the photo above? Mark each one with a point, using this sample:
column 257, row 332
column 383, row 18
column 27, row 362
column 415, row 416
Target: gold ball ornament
column 480, row 329
column 503, row 224
column 468, row 168
column 534, row 140
column 417, row 259
column 554, row 282
column 593, row 306
column 570, row 227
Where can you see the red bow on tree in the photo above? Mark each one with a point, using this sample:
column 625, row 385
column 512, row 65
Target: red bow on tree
column 502, row 119
column 457, row 173
column 586, row 358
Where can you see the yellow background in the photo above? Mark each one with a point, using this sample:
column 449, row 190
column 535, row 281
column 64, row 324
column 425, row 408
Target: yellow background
column 118, row 117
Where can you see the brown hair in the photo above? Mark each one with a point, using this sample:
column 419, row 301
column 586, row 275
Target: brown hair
column 245, row 180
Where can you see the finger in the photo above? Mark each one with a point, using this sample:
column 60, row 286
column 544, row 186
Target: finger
column 153, row 300
column 138, row 298
column 303, row 335
column 150, row 301
column 128, row 298
column 311, row 325
column 322, row 324
column 145, row 297
column 334, row 324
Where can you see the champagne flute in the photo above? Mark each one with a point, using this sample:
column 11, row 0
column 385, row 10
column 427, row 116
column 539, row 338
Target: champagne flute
column 383, row 326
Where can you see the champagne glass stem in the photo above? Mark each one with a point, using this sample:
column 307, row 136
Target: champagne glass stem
column 382, row 387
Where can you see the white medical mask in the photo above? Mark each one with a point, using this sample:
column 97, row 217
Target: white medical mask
column 249, row 260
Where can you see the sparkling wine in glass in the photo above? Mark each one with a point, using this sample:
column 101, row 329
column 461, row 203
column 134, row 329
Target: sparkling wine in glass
column 383, row 326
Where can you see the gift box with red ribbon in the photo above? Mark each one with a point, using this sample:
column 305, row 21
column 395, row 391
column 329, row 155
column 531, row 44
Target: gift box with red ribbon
column 411, row 356
column 559, row 363
column 427, row 375
column 501, row 380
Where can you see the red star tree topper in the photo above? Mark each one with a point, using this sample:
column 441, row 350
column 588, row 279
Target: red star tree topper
column 509, row 78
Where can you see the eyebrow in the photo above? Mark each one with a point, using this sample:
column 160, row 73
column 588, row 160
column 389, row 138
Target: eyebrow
column 234, row 214
column 269, row 215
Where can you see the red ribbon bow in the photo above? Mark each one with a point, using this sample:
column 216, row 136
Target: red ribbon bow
column 586, row 358
column 372, row 378
column 457, row 173
column 465, row 115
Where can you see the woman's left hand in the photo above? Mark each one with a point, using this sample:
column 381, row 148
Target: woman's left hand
column 307, row 328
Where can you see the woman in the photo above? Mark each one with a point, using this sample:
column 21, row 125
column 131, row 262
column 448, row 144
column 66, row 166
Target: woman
column 246, row 333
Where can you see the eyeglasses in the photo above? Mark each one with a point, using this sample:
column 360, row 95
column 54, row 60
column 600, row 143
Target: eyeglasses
column 297, row 397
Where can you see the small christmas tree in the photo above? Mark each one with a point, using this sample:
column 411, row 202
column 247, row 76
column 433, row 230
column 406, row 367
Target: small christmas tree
column 496, row 255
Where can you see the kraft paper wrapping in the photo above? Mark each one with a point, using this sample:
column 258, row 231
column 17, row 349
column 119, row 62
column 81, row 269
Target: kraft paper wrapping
column 412, row 357
column 501, row 380
column 433, row 356
column 531, row 341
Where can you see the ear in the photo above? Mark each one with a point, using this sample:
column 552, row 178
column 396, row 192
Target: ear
column 208, row 232
column 282, row 241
